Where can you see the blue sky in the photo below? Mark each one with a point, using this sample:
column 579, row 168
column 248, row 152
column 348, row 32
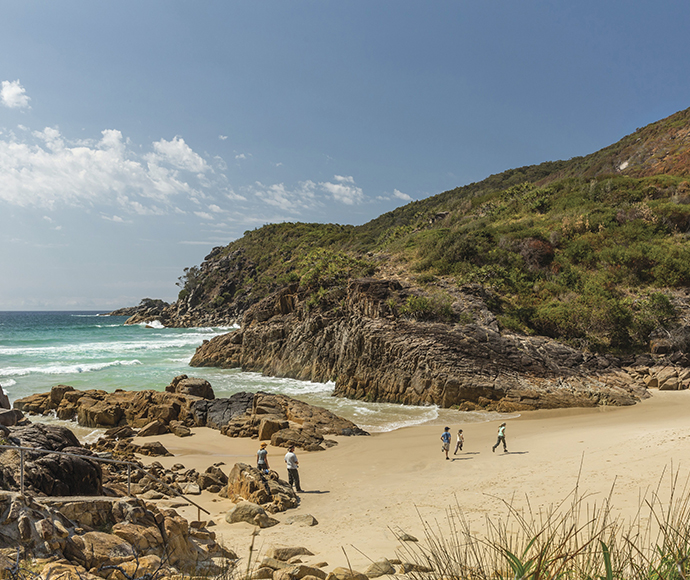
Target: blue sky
column 136, row 136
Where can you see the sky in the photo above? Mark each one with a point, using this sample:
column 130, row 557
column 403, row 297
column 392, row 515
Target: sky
column 136, row 136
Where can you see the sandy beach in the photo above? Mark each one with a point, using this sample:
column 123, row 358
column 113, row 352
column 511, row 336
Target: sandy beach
column 366, row 487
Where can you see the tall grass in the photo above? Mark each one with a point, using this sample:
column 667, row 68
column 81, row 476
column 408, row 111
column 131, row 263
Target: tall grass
column 576, row 539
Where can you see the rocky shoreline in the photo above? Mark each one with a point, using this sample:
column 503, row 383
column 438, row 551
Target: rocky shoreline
column 78, row 519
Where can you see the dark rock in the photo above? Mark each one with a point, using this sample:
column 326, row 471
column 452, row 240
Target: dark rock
column 154, row 448
column 219, row 412
column 51, row 474
column 4, row 400
column 10, row 417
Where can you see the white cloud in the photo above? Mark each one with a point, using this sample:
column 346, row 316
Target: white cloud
column 178, row 154
column 344, row 191
column 292, row 200
column 13, row 95
column 203, row 215
column 116, row 218
column 43, row 169
column 222, row 137
column 397, row 194
column 215, row 209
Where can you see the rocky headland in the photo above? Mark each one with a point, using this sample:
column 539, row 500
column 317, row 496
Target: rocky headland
column 372, row 354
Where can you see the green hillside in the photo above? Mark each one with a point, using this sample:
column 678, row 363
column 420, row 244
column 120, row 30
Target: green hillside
column 588, row 250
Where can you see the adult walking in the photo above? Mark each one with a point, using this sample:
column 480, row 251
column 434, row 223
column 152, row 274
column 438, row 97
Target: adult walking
column 501, row 438
column 293, row 468
column 262, row 458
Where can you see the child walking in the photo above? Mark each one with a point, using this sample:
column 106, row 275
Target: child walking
column 458, row 442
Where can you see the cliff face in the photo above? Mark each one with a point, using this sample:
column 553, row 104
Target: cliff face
column 373, row 355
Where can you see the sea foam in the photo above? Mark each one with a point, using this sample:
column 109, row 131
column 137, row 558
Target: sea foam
column 65, row 369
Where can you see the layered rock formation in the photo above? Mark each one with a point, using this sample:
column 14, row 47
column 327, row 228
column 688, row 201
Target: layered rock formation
column 356, row 339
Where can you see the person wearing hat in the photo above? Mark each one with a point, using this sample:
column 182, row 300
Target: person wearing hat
column 262, row 458
column 501, row 438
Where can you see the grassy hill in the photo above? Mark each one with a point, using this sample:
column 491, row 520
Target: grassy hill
column 591, row 250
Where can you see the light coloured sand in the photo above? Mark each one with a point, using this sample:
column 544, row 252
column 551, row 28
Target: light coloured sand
column 366, row 487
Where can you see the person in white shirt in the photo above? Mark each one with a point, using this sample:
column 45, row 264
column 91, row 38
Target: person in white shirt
column 293, row 468
column 501, row 438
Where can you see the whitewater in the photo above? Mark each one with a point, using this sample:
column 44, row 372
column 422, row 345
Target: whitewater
column 87, row 350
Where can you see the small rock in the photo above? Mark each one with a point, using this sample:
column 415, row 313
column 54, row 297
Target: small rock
column 301, row 520
column 345, row 574
column 380, row 568
column 284, row 553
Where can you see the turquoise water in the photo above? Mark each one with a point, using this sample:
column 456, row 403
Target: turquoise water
column 88, row 351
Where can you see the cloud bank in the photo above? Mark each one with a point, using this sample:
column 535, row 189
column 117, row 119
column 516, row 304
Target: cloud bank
column 50, row 171
column 44, row 169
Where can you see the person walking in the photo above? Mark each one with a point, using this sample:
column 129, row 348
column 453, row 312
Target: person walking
column 445, row 438
column 262, row 458
column 459, row 442
column 293, row 469
column 501, row 438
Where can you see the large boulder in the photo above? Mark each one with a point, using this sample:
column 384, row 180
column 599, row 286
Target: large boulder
column 250, row 513
column 191, row 386
column 144, row 539
column 268, row 490
column 95, row 549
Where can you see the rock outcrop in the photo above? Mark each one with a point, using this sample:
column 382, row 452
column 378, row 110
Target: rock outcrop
column 267, row 490
column 285, row 421
column 280, row 418
column 148, row 308
column 96, row 408
column 375, row 355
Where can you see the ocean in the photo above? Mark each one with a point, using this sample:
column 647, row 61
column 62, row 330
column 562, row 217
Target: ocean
column 90, row 351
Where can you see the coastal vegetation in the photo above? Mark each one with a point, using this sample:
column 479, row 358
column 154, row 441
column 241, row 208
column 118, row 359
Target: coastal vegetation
column 592, row 251
column 573, row 540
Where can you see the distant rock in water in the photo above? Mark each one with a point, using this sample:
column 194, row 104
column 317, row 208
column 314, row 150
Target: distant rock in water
column 148, row 308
